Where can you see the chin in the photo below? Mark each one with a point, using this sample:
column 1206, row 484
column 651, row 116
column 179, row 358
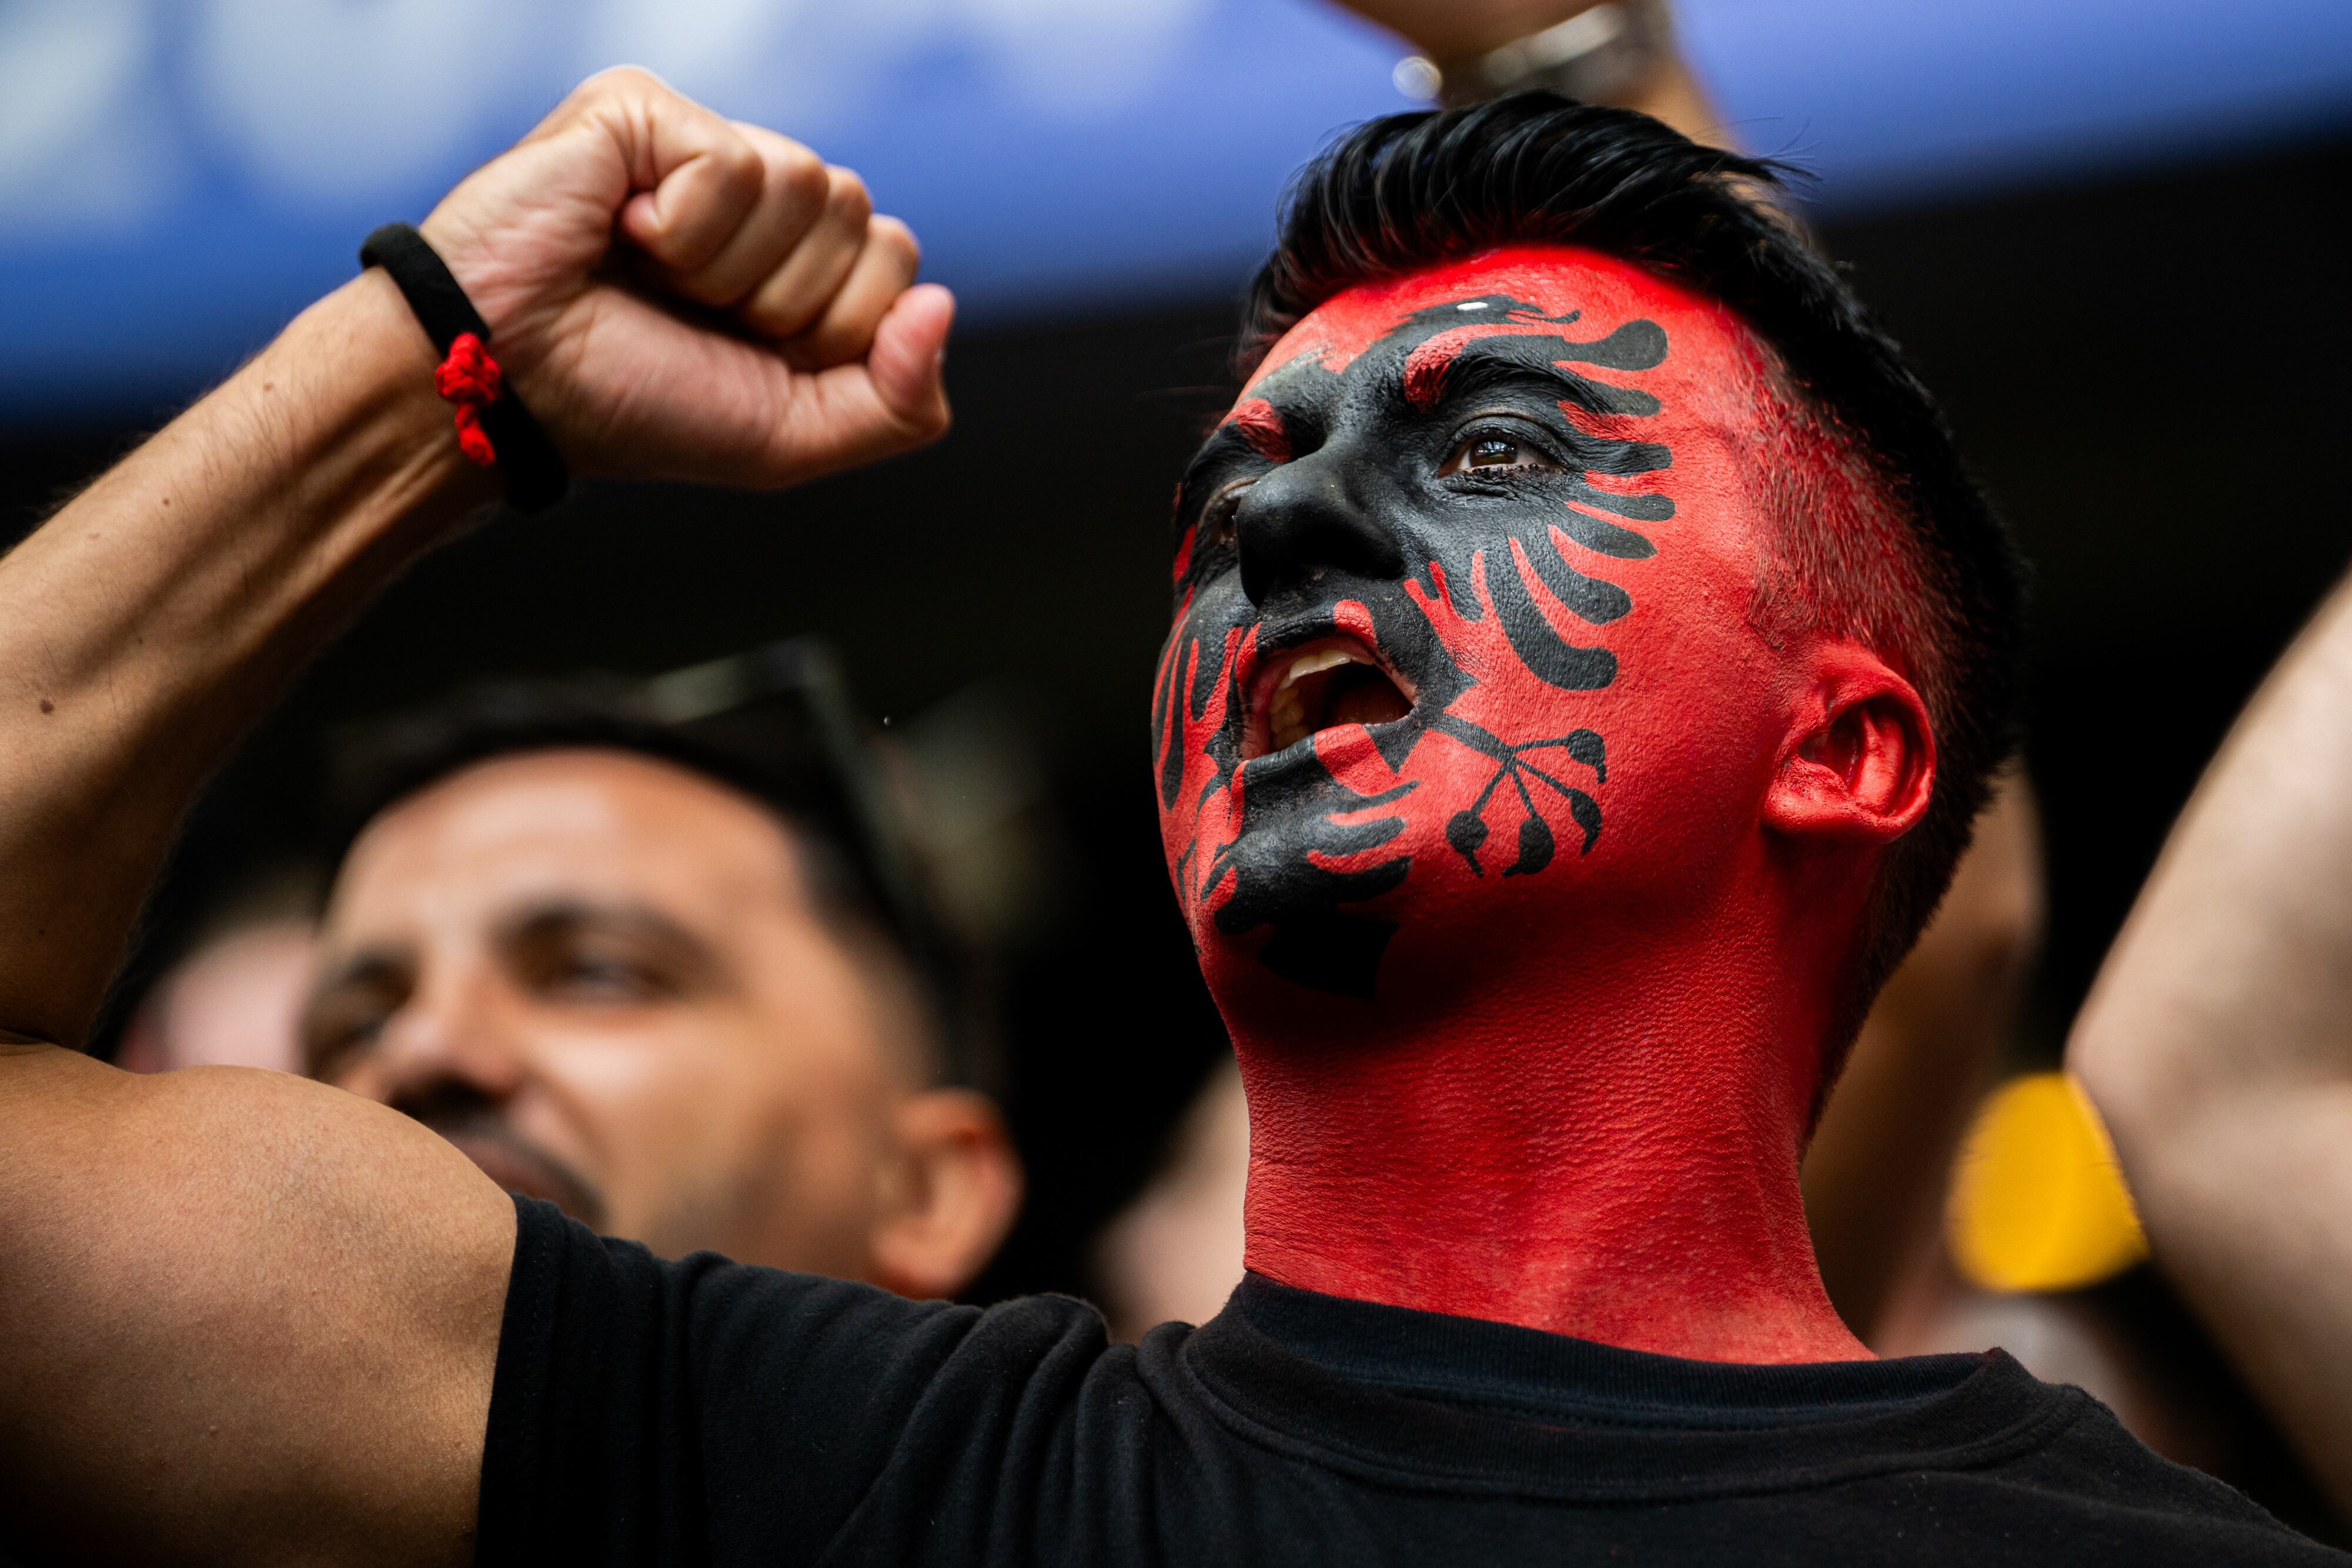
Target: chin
column 1401, row 932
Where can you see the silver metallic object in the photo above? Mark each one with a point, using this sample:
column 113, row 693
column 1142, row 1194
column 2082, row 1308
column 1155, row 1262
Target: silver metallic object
column 1605, row 53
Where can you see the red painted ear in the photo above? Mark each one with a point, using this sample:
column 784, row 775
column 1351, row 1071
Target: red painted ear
column 1861, row 758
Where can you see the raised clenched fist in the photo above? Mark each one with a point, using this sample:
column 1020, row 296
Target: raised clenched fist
column 677, row 296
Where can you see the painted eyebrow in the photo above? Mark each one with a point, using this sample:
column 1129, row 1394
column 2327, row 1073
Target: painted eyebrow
column 1514, row 361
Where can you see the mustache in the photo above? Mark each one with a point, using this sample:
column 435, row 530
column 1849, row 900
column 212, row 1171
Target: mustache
column 515, row 1164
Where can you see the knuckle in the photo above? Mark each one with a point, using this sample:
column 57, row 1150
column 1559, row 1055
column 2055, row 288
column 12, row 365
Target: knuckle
column 801, row 176
column 742, row 170
column 623, row 81
column 896, row 239
column 846, row 197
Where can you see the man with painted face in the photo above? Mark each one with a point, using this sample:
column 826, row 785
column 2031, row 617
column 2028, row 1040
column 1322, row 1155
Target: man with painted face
column 1586, row 661
column 1564, row 729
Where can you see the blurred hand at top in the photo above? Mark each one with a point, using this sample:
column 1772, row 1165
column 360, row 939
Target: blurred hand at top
column 677, row 295
column 1453, row 30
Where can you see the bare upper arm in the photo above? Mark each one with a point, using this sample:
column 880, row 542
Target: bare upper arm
column 244, row 1317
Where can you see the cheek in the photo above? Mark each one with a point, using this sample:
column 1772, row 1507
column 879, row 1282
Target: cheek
column 662, row 1089
column 706, row 1102
column 1662, row 767
column 1194, row 709
column 1691, row 741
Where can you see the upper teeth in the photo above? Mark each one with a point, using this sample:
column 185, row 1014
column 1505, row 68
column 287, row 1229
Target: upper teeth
column 1307, row 664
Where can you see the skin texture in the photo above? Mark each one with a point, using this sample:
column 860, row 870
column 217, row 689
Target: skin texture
column 1876, row 1170
column 249, row 1319
column 2215, row 1047
column 1531, row 986
column 605, row 980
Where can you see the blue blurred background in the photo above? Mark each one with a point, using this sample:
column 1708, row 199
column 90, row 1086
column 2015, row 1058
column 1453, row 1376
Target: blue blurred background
column 177, row 176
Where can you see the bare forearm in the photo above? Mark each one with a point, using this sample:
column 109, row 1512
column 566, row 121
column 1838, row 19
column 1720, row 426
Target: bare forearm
column 155, row 616
column 2245, row 1203
column 2232, row 974
column 2218, row 1047
column 166, row 1392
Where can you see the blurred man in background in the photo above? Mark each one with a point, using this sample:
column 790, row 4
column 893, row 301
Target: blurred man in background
column 678, row 978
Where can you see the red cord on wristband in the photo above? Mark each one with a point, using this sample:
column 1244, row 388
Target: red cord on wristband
column 493, row 427
column 470, row 377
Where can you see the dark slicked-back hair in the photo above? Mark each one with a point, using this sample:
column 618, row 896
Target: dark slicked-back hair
column 1884, row 537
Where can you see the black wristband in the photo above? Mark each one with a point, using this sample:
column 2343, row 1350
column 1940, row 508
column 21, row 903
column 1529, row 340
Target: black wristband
column 535, row 476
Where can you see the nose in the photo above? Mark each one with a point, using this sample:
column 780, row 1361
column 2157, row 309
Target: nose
column 1310, row 516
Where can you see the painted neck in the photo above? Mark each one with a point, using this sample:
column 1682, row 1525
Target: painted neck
column 1537, row 1152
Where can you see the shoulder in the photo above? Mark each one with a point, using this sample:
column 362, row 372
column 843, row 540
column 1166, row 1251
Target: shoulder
column 706, row 1398
column 735, row 1326
column 835, row 1332
column 2120, row 1491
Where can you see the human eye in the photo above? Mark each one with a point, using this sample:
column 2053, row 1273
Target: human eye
column 591, row 973
column 1217, row 529
column 1495, row 450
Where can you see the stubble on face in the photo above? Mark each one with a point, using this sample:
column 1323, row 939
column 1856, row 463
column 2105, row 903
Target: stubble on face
column 606, row 980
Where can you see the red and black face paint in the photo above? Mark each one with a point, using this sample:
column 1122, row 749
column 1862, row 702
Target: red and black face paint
column 1399, row 560
column 1469, row 714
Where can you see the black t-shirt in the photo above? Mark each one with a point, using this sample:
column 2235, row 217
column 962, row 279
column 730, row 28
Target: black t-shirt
column 707, row 1412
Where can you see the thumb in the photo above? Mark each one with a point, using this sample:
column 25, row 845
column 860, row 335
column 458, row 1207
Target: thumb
column 908, row 358
column 892, row 401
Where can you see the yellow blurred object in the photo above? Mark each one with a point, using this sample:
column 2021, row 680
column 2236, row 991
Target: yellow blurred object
column 2037, row 1202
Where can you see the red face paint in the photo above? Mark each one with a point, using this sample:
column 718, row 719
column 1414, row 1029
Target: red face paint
column 1463, row 734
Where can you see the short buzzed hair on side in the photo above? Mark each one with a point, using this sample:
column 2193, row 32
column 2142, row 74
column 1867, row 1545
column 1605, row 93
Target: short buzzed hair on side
column 1884, row 537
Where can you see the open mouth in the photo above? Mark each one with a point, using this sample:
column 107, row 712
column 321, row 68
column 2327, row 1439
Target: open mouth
column 1319, row 685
